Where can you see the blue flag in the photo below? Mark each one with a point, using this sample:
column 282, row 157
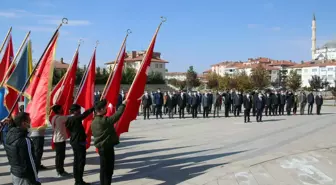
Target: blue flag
column 3, row 109
column 22, row 70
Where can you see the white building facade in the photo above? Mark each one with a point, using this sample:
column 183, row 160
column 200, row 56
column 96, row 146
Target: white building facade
column 326, row 71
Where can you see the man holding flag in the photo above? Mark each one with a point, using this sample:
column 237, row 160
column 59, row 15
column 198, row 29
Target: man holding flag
column 105, row 138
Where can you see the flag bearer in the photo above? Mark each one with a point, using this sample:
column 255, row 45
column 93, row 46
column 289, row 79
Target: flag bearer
column 105, row 138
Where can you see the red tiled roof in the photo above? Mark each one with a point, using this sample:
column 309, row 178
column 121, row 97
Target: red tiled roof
column 140, row 58
column 282, row 63
column 207, row 71
column 253, row 66
column 60, row 65
column 314, row 64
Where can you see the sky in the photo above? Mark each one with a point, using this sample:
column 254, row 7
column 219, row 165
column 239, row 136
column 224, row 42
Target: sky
column 197, row 32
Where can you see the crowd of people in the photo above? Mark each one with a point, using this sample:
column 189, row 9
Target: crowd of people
column 25, row 151
column 269, row 103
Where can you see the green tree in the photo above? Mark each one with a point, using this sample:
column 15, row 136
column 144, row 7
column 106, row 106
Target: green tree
column 294, row 81
column 260, row 77
column 325, row 84
column 79, row 75
column 212, row 79
column 315, row 83
column 155, row 78
column 181, row 84
column 173, row 81
column 57, row 75
column 128, row 75
column 192, row 80
column 282, row 77
column 243, row 82
column 224, row 82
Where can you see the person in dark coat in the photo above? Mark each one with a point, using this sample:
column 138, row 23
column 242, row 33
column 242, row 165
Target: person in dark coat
column 319, row 103
column 268, row 104
column 19, row 149
column 189, row 98
column 259, row 104
column 194, row 105
column 235, row 103
column 146, row 104
column 247, row 102
column 282, row 103
column 169, row 104
column 310, row 103
column 217, row 104
column 78, row 140
column 158, row 99
column 289, row 102
column 205, row 105
column 174, row 100
column 199, row 103
column 211, row 99
column 275, row 103
column 227, row 103
column 254, row 108
column 182, row 103
column 105, row 138
column 241, row 101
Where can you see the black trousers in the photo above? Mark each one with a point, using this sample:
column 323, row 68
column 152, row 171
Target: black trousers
column 294, row 109
column 194, row 111
column 38, row 142
column 107, row 158
column 181, row 112
column 259, row 115
column 227, row 108
column 281, row 109
column 268, row 110
column 310, row 108
column 216, row 110
column 318, row 109
column 254, row 110
column 188, row 108
column 79, row 161
column 289, row 109
column 275, row 110
column 146, row 112
column 236, row 110
column 170, row 112
column 60, row 157
column 158, row 111
column 205, row 112
column 247, row 113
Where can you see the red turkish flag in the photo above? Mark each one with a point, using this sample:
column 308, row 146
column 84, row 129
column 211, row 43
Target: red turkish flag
column 113, row 88
column 136, row 91
column 85, row 96
column 40, row 88
column 62, row 94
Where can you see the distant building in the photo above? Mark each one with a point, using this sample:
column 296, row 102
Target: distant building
column 176, row 75
column 134, row 58
column 326, row 70
column 60, row 64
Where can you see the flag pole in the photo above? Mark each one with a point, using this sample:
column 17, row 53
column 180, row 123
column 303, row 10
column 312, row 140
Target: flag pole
column 163, row 19
column 3, row 43
column 114, row 65
column 76, row 52
column 64, row 21
column 13, row 61
column 85, row 73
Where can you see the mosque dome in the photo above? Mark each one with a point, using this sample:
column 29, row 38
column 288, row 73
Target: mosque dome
column 330, row 44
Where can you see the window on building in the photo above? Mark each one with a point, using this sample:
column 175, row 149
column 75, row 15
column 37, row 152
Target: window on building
column 323, row 69
column 314, row 70
column 156, row 66
column 161, row 65
column 305, row 70
column 330, row 69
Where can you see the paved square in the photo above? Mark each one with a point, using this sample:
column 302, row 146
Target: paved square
column 281, row 150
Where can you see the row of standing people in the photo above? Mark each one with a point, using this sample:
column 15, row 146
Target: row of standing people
column 274, row 103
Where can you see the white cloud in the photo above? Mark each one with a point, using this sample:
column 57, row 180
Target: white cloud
column 8, row 14
column 70, row 22
column 41, row 29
